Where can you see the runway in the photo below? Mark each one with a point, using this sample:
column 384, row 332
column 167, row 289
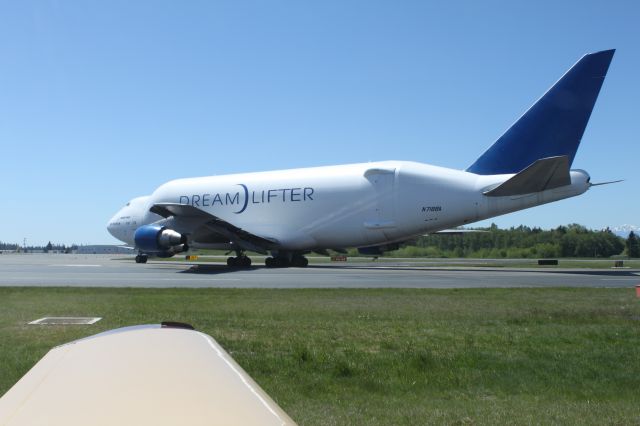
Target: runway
column 121, row 271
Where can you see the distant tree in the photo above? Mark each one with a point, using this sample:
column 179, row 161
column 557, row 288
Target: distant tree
column 577, row 228
column 565, row 241
column 49, row 247
column 633, row 246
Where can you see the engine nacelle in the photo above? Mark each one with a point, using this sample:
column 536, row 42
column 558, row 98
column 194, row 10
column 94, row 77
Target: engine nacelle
column 159, row 239
column 172, row 251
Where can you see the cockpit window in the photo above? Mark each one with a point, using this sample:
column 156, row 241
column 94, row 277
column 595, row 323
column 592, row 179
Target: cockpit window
column 128, row 203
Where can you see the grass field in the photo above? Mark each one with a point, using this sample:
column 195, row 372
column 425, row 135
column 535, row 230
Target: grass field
column 383, row 356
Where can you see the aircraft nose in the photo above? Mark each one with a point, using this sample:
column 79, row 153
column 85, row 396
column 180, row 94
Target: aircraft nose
column 111, row 227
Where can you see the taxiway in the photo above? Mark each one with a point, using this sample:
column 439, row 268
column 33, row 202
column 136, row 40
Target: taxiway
column 107, row 271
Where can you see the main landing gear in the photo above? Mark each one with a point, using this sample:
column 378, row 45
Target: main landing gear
column 280, row 260
column 297, row 261
column 240, row 261
column 142, row 258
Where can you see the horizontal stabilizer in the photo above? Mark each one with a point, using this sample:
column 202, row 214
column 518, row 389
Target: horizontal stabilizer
column 543, row 174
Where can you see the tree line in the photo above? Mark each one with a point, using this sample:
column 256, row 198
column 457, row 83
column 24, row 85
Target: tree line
column 45, row 248
column 516, row 242
column 523, row 242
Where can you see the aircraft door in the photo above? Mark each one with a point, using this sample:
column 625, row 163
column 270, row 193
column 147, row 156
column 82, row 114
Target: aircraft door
column 383, row 182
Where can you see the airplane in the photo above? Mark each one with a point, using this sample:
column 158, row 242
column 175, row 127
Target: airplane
column 372, row 206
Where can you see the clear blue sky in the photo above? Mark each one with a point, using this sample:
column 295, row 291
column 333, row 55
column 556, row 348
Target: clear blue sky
column 104, row 101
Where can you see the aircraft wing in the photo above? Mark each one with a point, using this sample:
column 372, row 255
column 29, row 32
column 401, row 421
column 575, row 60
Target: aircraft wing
column 457, row 231
column 215, row 225
column 143, row 375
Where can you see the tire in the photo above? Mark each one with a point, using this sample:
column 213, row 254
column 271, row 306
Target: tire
column 246, row 262
column 231, row 262
column 269, row 262
column 299, row 262
column 283, row 262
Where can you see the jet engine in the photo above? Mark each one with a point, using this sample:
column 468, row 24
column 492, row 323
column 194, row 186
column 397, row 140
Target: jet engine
column 160, row 240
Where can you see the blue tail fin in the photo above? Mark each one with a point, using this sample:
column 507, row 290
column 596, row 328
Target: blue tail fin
column 554, row 125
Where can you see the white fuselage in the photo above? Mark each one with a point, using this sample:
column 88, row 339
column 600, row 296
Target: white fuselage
column 353, row 205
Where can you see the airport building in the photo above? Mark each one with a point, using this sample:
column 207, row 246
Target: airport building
column 104, row 249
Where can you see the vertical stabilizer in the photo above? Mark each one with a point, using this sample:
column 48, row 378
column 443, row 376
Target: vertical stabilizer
column 554, row 125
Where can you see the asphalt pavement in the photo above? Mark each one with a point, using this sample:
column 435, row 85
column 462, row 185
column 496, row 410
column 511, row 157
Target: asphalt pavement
column 122, row 271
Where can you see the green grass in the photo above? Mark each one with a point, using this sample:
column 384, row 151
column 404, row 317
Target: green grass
column 387, row 356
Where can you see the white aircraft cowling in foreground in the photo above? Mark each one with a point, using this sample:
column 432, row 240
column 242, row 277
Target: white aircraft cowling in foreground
column 160, row 374
column 372, row 206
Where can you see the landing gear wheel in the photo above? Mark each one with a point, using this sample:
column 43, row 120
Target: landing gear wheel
column 299, row 261
column 239, row 262
column 280, row 262
column 141, row 258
